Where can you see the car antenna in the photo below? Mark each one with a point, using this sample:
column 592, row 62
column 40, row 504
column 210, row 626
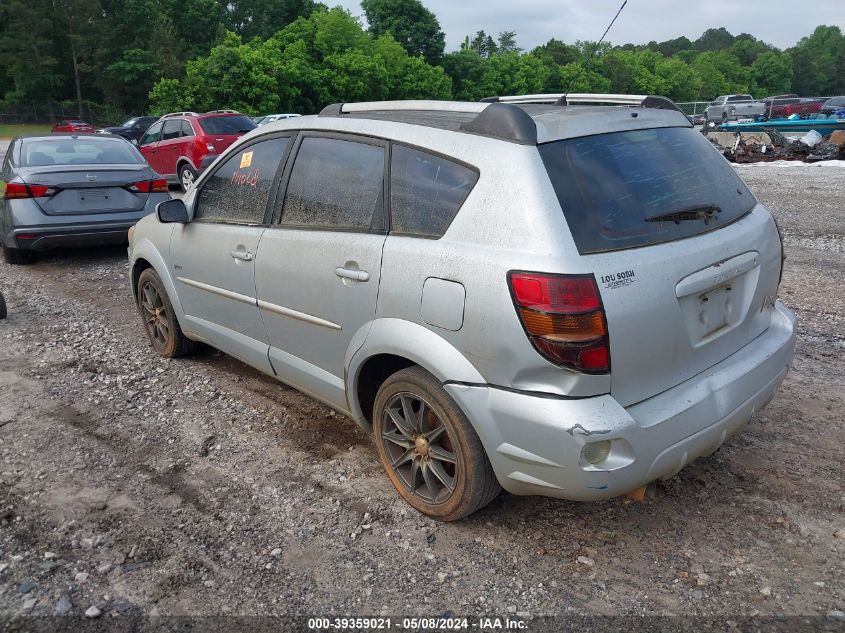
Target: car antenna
column 586, row 62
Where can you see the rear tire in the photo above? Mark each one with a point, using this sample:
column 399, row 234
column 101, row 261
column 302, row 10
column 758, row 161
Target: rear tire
column 429, row 449
column 159, row 319
column 17, row 256
column 187, row 177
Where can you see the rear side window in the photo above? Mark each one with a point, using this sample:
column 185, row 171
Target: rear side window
column 234, row 124
column 238, row 190
column 187, row 130
column 426, row 192
column 172, row 129
column 335, row 184
column 637, row 188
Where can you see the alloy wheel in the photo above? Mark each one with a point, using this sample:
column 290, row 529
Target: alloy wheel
column 156, row 318
column 419, row 447
column 187, row 179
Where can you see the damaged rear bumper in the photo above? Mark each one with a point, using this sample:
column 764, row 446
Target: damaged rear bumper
column 535, row 443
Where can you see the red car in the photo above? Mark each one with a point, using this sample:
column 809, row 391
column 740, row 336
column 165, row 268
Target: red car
column 72, row 125
column 180, row 145
column 783, row 106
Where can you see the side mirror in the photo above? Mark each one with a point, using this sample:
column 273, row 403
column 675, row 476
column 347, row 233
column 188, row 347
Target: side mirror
column 172, row 211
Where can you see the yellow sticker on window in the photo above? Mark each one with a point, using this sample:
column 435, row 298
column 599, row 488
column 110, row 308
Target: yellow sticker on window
column 246, row 159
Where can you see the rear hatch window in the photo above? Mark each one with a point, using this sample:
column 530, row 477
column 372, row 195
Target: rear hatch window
column 643, row 187
column 224, row 125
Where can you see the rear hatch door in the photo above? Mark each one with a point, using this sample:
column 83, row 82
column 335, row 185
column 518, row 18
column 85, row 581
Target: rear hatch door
column 224, row 129
column 686, row 260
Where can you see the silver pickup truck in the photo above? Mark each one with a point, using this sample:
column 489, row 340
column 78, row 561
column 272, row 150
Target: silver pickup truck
column 729, row 107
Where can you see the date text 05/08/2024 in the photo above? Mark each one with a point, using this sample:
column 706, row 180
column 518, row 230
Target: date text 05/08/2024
column 416, row 624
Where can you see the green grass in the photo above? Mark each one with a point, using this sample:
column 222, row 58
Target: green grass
column 10, row 131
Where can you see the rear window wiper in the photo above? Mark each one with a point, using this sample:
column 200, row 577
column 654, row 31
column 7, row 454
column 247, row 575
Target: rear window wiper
column 699, row 212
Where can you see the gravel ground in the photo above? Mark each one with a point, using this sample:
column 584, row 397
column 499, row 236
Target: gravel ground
column 198, row 486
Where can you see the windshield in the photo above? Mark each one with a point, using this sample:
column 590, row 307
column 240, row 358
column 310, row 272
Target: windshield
column 77, row 151
column 237, row 124
column 612, row 187
column 129, row 122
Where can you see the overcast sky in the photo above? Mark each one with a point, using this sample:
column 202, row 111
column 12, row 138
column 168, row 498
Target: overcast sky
column 778, row 22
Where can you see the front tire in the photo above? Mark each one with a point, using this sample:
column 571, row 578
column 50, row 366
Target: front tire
column 430, row 451
column 17, row 256
column 187, row 177
column 159, row 319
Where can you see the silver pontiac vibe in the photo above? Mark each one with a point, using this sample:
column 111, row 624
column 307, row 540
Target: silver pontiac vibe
column 534, row 293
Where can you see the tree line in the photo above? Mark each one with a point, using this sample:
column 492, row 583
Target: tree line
column 262, row 56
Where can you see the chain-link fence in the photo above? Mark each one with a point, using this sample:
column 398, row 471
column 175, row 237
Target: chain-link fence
column 781, row 107
column 97, row 114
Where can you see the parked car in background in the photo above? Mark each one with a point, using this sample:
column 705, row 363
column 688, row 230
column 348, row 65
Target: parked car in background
column 270, row 118
column 73, row 190
column 729, row 107
column 72, row 125
column 180, row 145
column 833, row 105
column 467, row 282
column 697, row 119
column 131, row 129
column 784, row 106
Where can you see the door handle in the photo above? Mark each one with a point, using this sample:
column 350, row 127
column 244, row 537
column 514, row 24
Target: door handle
column 245, row 256
column 356, row 275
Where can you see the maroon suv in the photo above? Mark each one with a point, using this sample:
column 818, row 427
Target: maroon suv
column 180, row 145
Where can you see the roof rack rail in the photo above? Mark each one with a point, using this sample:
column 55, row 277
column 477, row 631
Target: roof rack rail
column 222, row 112
column 170, row 114
column 578, row 98
column 498, row 120
column 427, row 105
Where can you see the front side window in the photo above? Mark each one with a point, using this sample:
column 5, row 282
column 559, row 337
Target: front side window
column 151, row 135
column 238, row 190
column 426, row 192
column 335, row 184
column 643, row 187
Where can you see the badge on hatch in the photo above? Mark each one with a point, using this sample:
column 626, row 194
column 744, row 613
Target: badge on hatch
column 91, row 177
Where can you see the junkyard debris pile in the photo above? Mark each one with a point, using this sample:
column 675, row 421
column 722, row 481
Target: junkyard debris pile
column 771, row 145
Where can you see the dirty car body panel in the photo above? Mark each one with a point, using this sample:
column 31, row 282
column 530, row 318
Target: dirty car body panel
column 697, row 341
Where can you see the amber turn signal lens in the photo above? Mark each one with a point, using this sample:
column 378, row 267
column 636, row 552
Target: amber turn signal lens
column 564, row 327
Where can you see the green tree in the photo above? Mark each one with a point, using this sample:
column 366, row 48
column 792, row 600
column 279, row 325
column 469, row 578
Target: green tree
column 483, row 44
column 507, row 42
column 410, row 23
column 262, row 18
column 466, row 68
column 714, row 40
column 771, row 73
column 27, row 46
column 513, row 74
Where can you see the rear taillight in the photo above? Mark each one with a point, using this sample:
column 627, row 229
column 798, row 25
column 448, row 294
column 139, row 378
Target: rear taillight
column 148, row 186
column 17, row 190
column 564, row 318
